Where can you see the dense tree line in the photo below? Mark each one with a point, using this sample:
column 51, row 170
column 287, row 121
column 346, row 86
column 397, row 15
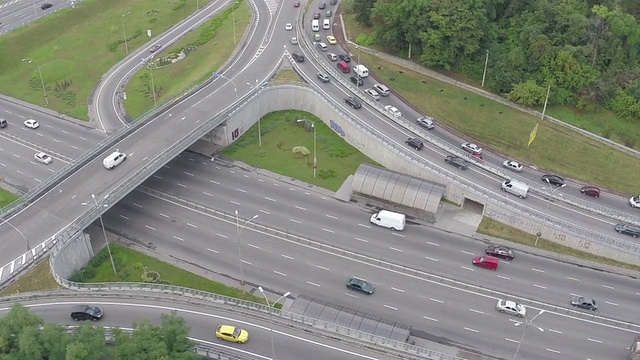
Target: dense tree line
column 586, row 50
column 25, row 336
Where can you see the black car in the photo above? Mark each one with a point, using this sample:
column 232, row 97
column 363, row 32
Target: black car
column 297, row 57
column 456, row 161
column 361, row 285
column 323, row 77
column 322, row 6
column 628, row 229
column 353, row 102
column 45, row 6
column 584, row 303
column 356, row 80
column 415, row 143
column 345, row 58
column 553, row 180
column 155, row 48
column 500, row 251
column 86, row 312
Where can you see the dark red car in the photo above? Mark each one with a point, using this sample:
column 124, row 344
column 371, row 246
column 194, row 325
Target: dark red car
column 590, row 191
column 316, row 15
column 296, row 4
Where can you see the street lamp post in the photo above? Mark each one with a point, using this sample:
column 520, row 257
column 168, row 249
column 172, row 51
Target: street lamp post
column 44, row 90
column 238, row 231
column 235, row 88
column 486, row 63
column 104, row 232
column 526, row 324
column 315, row 159
column 18, row 230
column 124, row 33
column 233, row 13
column 153, row 85
column 272, row 308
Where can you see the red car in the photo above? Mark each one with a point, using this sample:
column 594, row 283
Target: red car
column 296, row 4
column 316, row 15
column 590, row 191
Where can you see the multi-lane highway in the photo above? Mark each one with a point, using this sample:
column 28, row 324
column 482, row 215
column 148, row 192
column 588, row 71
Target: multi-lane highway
column 289, row 344
column 17, row 13
column 458, row 316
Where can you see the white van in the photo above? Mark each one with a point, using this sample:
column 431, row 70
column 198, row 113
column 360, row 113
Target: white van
column 388, row 219
column 315, row 25
column 114, row 159
column 326, row 24
column 361, row 70
column 516, row 187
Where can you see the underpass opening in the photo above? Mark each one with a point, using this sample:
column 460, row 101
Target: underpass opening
column 473, row 206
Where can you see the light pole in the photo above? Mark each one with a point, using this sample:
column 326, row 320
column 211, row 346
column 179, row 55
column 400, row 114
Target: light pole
column 233, row 13
column 124, row 33
column 235, row 88
column 44, row 90
column 238, row 231
column 272, row 308
column 526, row 324
column 315, row 159
column 104, row 232
column 153, row 85
column 35, row 12
column 486, row 63
column 18, row 230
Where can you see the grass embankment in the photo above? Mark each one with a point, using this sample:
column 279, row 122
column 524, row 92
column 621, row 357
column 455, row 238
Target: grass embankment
column 506, row 130
column 37, row 279
column 7, row 197
column 281, row 133
column 74, row 47
column 215, row 46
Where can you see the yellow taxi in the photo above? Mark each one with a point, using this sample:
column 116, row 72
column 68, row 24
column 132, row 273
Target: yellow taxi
column 232, row 334
column 331, row 39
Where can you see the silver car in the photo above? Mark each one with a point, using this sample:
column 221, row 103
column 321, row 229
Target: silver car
column 43, row 158
column 426, row 122
column 511, row 308
column 373, row 94
column 512, row 165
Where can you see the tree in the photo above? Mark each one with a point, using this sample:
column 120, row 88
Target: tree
column 362, row 10
column 528, row 93
column 18, row 319
column 175, row 333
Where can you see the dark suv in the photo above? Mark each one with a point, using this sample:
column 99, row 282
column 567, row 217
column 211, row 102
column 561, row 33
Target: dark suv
column 415, row 143
column 627, row 229
column 500, row 251
column 45, row 6
column 345, row 58
column 353, row 102
column 457, row 161
column 357, row 81
column 86, row 312
column 298, row 57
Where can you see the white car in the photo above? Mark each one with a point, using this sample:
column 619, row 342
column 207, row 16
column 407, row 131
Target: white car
column 114, row 159
column 512, row 165
column 511, row 308
column 288, row 27
column 472, row 148
column 635, row 201
column 43, row 158
column 393, row 111
column 31, row 124
column 294, row 40
column 373, row 94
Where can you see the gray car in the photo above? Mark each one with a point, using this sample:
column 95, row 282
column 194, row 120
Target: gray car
column 456, row 161
column 323, row 77
column 426, row 122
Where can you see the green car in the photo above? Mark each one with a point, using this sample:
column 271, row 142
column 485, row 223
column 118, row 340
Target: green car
column 361, row 285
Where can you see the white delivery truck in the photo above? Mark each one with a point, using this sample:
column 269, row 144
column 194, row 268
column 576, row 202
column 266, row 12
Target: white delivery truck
column 516, row 187
column 389, row 219
column 361, row 70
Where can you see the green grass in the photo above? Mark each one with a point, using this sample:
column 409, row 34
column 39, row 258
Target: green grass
column 281, row 133
column 72, row 48
column 195, row 68
column 497, row 229
column 506, row 130
column 37, row 279
column 126, row 258
column 287, row 76
column 7, row 197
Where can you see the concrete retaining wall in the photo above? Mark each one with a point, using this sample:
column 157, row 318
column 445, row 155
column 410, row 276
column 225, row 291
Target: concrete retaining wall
column 71, row 256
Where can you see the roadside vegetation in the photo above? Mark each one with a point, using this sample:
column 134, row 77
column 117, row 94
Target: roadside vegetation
column 39, row 278
column 287, row 149
column 7, row 197
column 75, row 47
column 207, row 48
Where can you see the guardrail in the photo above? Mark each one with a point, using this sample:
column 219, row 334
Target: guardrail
column 413, row 128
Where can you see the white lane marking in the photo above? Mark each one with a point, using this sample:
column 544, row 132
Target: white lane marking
column 221, row 235
column 149, row 227
column 193, row 226
column 432, row 259
column 270, row 199
column 595, row 340
column 572, row 294
column 432, row 243
column 395, row 249
column 286, row 257
column 570, row 278
column 539, row 286
column 608, row 287
column 332, row 217
column 515, row 341
column 213, row 251
column 322, row 267
column 470, row 329
column 265, row 212
column 64, row 131
column 276, row 185
column 246, row 262
column 157, row 177
column 242, row 191
column 538, row 270
column 313, row 284
column 124, row 217
column 19, row 172
column 398, row 290
column 436, row 300
column 181, row 185
column 555, row 331
column 365, row 226
column 300, row 208
column 390, row 307
column 137, row 205
column 428, row 318
column 553, row 351
column 467, row 268
column 235, row 202
column 188, row 173
column 353, row 296
column 295, row 221
column 215, row 182
column 56, row 140
column 504, row 277
column 178, row 238
column 397, row 234
column 476, row 311
column 206, row 193
column 260, row 180
column 466, row 252
column 279, row 273
column 611, row 303
column 163, row 215
column 83, row 138
column 327, row 230
column 292, row 189
column 363, row 240
column 74, row 147
column 16, row 155
column 253, row 246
